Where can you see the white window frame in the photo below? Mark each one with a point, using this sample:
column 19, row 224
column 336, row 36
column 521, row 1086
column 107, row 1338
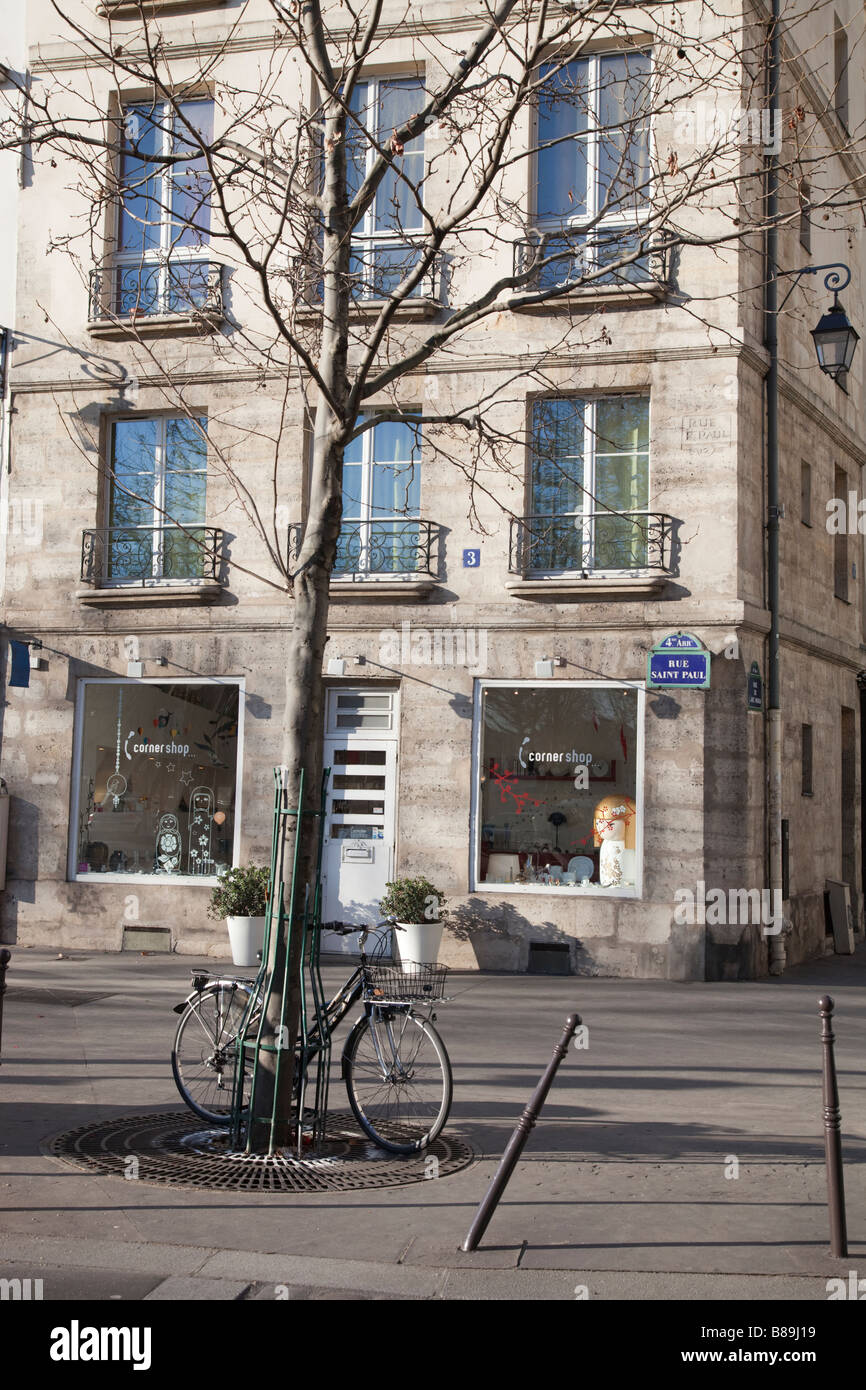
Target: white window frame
column 154, row 880
column 167, row 252
column 624, row 218
column 160, row 522
column 366, row 237
column 594, row 890
column 589, row 483
column 367, row 520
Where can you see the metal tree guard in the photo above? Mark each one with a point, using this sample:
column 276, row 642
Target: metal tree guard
column 313, row 1046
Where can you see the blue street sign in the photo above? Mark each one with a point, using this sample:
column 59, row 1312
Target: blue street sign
column 755, row 688
column 471, row 559
column 679, row 660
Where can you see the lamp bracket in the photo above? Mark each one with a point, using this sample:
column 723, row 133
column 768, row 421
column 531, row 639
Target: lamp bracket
column 838, row 277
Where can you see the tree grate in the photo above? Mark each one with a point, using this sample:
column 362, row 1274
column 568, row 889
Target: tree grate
column 175, row 1149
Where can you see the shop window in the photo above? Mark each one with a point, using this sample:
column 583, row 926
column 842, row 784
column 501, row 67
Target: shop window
column 558, row 806
column 156, row 779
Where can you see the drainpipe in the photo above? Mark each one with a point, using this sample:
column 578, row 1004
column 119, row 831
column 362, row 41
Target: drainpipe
column 774, row 712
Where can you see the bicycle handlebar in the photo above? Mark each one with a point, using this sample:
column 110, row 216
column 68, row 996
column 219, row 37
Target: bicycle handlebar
column 346, row 929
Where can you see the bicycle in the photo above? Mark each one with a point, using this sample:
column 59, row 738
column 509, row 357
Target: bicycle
column 394, row 1063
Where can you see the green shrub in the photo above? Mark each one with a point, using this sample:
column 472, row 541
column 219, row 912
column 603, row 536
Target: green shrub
column 240, row 893
column 413, row 900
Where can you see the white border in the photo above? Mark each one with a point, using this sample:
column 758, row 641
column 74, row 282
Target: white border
column 156, row 880
column 595, row 890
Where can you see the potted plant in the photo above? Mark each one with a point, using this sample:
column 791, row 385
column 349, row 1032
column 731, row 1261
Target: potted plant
column 240, row 898
column 419, row 908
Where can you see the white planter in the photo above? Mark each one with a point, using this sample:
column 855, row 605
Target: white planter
column 418, row 943
column 247, row 937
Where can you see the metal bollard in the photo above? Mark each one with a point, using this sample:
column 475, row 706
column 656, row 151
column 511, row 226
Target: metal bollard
column 5, row 957
column 833, row 1135
column 514, row 1148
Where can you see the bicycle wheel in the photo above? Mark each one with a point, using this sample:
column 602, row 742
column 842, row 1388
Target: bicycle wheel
column 205, row 1049
column 398, row 1077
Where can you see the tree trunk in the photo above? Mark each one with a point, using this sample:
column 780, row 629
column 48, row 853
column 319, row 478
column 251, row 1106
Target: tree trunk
column 302, row 735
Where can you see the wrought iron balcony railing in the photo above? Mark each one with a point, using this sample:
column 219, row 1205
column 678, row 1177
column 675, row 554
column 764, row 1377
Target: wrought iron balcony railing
column 565, row 256
column 151, row 555
column 401, row 546
column 591, row 543
column 378, row 267
column 152, row 289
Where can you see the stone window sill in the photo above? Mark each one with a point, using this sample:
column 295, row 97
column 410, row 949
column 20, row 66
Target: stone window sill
column 645, row 292
column 157, row 325
column 130, row 9
column 410, row 311
column 374, row 590
column 568, row 586
column 136, row 594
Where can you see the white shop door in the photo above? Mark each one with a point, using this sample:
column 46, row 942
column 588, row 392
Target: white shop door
column 358, row 844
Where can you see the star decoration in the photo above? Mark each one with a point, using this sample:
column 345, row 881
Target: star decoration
column 171, row 767
column 186, row 778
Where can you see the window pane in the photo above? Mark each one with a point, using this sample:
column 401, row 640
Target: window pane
column 396, row 205
column 165, row 807
column 396, row 488
column 542, row 820
column 133, row 464
column 185, row 443
column 190, row 181
column 623, row 118
column 558, row 456
column 185, row 498
column 141, row 197
column 562, row 127
column 621, row 482
column 357, row 143
column 353, row 475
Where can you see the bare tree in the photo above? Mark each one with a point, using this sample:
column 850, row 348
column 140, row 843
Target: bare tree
column 376, row 225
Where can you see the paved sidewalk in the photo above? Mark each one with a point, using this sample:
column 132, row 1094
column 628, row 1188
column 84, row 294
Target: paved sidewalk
column 623, row 1191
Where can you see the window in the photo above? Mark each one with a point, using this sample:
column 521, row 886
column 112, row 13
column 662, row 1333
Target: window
column 806, row 759
column 156, row 779
column 593, row 164
column 805, row 196
column 161, row 265
column 558, row 793
column 381, row 497
column 590, row 484
column 384, row 245
column 840, row 71
column 806, row 493
column 840, row 539
column 156, row 510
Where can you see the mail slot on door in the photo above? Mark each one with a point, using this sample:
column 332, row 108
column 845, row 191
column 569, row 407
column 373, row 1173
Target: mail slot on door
column 356, row 852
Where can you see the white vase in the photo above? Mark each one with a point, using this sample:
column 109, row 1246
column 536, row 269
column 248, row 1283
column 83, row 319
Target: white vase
column 418, row 943
column 247, row 938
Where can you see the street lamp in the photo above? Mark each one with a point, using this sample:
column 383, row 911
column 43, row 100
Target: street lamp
column 835, row 341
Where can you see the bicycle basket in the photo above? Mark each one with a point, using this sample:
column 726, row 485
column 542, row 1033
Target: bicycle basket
column 401, row 984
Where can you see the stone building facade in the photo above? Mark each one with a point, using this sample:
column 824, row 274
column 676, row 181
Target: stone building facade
column 488, row 722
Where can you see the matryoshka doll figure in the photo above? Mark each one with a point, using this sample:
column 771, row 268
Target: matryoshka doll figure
column 613, row 828
column 168, row 845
